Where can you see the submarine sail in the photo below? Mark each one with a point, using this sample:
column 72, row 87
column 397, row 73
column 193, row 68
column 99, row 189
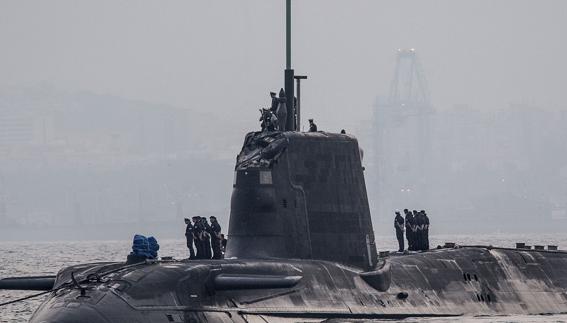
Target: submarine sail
column 301, row 196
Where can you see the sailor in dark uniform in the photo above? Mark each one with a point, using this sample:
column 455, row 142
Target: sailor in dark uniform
column 207, row 254
column 189, row 237
column 281, row 111
column 426, row 229
column 312, row 126
column 418, row 225
column 399, row 226
column 215, row 238
column 197, row 234
column 409, row 232
column 269, row 121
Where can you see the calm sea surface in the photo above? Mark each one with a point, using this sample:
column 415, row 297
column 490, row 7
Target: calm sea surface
column 45, row 258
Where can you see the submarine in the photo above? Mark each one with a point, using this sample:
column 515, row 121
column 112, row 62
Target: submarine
column 301, row 248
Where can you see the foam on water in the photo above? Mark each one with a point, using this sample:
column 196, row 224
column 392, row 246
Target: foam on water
column 45, row 258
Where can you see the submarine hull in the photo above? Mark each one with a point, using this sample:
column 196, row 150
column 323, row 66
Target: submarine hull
column 464, row 281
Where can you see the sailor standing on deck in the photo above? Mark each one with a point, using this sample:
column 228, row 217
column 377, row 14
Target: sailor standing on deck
column 197, row 234
column 207, row 254
column 399, row 226
column 418, row 230
column 426, row 229
column 189, row 236
column 215, row 238
column 409, row 232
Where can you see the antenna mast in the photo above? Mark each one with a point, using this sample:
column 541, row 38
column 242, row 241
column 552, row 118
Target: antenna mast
column 288, row 35
column 290, row 124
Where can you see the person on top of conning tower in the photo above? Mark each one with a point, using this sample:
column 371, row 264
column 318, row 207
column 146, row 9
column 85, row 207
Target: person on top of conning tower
column 269, row 120
column 312, row 126
column 281, row 111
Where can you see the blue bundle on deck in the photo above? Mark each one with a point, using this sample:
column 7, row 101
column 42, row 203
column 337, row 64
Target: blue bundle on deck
column 141, row 246
column 153, row 246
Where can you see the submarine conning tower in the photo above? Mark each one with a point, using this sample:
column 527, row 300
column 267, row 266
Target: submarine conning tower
column 301, row 195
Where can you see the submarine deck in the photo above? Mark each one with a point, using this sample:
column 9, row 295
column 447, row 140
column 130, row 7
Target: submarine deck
column 468, row 280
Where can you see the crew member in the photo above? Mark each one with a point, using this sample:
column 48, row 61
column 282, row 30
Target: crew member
column 426, row 229
column 312, row 126
column 409, row 231
column 215, row 238
column 189, row 236
column 197, row 234
column 399, row 226
column 207, row 254
column 418, row 230
column 269, row 120
column 281, row 111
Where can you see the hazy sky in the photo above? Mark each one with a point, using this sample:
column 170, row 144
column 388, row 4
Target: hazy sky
column 227, row 55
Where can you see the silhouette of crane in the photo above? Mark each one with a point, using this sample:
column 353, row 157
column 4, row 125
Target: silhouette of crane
column 402, row 136
column 409, row 87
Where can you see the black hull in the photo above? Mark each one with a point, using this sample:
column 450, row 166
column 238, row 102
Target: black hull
column 466, row 281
